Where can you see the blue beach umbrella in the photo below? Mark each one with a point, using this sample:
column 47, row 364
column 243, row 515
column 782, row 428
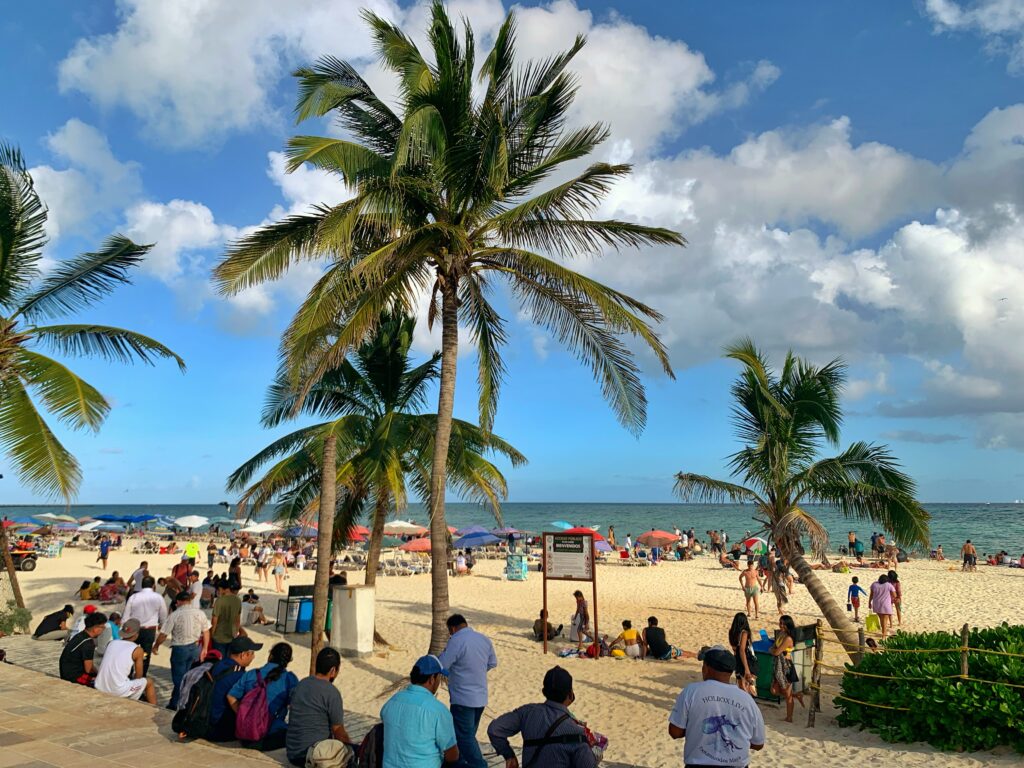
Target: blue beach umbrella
column 472, row 540
column 472, row 529
column 562, row 525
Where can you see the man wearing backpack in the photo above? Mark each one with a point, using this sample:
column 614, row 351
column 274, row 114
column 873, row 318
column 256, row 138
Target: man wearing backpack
column 418, row 731
column 316, row 712
column 225, row 674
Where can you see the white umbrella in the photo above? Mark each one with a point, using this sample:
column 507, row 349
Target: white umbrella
column 56, row 518
column 261, row 528
column 90, row 526
column 403, row 528
column 191, row 521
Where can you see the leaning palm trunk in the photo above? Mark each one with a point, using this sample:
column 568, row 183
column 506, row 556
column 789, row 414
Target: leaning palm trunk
column 324, row 542
column 830, row 609
column 376, row 537
column 12, row 574
column 439, row 469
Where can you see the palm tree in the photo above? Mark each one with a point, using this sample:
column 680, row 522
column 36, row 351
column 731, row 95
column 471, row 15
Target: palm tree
column 783, row 420
column 27, row 298
column 383, row 445
column 445, row 204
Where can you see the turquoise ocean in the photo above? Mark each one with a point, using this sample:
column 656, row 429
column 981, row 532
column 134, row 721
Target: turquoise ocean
column 990, row 526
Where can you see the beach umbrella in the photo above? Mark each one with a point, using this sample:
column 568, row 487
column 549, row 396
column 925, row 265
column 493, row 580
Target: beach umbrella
column 403, row 528
column 65, row 526
column 390, row 542
column 657, row 538
column 416, row 545
column 261, row 528
column 756, row 545
column 562, row 525
column 597, row 536
column 301, row 530
column 471, row 529
column 191, row 521
column 43, row 531
column 602, row 546
column 13, row 525
column 504, row 533
column 471, row 540
column 359, row 530
column 56, row 518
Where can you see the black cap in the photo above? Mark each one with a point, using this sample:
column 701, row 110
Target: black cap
column 557, row 685
column 718, row 658
column 241, row 644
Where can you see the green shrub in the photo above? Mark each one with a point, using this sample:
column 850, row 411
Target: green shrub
column 943, row 710
column 13, row 618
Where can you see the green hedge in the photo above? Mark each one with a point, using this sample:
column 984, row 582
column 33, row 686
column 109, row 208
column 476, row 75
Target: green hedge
column 947, row 713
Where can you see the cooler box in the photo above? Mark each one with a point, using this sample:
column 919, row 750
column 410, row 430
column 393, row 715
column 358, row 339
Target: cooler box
column 304, row 617
column 516, row 567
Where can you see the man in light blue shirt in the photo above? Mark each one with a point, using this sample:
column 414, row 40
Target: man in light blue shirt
column 468, row 657
column 418, row 730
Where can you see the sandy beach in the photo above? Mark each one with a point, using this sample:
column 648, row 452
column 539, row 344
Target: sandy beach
column 627, row 700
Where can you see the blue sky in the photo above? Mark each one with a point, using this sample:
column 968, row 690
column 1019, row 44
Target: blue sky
column 850, row 177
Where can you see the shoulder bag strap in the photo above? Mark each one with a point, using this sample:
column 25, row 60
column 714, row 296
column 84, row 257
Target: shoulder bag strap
column 544, row 741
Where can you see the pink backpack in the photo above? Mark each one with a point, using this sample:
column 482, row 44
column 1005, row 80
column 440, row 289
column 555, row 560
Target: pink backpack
column 254, row 716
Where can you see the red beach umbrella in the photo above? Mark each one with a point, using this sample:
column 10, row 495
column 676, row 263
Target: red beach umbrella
column 597, row 536
column 417, row 545
column 657, row 538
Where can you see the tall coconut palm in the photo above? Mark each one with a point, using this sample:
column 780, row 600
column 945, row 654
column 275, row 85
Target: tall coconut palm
column 28, row 299
column 446, row 203
column 383, row 445
column 784, row 420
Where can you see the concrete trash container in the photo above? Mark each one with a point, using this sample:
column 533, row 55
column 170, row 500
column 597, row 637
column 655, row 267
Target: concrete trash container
column 352, row 619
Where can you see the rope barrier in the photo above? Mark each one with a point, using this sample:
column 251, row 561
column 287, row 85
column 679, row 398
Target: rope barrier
column 839, row 695
column 845, row 670
column 995, row 653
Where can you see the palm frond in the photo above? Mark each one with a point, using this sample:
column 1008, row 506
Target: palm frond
column 73, row 401
column 114, row 344
column 702, row 489
column 488, row 329
column 22, row 226
column 796, row 524
column 40, row 461
column 82, row 281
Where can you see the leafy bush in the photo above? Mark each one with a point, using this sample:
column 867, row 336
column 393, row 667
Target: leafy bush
column 943, row 710
column 13, row 618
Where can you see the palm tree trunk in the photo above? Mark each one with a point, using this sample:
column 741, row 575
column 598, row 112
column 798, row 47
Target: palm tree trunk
column 439, row 470
column 12, row 574
column 324, row 546
column 845, row 630
column 376, row 536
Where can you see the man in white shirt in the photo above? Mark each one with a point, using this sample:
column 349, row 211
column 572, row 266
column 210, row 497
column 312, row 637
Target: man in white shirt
column 720, row 721
column 151, row 611
column 135, row 580
column 195, row 586
column 189, row 631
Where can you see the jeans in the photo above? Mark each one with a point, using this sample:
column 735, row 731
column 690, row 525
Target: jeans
column 147, row 636
column 182, row 659
column 467, row 720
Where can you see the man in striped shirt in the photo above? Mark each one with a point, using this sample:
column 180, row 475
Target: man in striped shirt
column 552, row 738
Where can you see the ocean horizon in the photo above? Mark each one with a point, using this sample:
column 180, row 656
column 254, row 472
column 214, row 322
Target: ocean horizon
column 991, row 526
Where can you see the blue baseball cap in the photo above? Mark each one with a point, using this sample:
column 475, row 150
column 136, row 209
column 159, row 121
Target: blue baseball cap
column 430, row 665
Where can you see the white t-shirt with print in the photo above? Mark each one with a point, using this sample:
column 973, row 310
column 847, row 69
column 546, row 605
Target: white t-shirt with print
column 721, row 722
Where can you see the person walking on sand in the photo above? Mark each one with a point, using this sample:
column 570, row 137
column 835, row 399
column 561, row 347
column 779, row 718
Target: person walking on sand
column 747, row 665
column 278, row 565
column 611, row 537
column 720, row 723
column 580, row 620
column 882, row 595
column 751, row 587
column 969, row 555
column 853, row 598
column 468, row 657
column 104, row 552
column 897, row 599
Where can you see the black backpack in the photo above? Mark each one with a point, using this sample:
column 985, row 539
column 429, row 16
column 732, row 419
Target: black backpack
column 371, row 751
column 194, row 720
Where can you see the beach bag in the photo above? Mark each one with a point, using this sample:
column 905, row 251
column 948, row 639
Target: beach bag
column 253, row 722
column 194, row 720
column 371, row 751
column 791, row 674
column 329, row 753
column 872, row 623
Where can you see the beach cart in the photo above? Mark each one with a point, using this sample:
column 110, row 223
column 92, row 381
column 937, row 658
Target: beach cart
column 516, row 567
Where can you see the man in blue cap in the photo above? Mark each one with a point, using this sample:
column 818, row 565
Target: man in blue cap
column 418, row 729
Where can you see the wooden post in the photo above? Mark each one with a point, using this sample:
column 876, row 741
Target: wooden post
column 819, row 652
column 597, row 638
column 861, row 644
column 964, row 635
column 544, row 570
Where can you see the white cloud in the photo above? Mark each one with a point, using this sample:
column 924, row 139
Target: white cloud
column 194, row 72
column 1000, row 23
column 94, row 182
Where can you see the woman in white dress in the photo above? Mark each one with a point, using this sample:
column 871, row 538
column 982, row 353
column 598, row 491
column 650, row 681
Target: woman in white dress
column 121, row 659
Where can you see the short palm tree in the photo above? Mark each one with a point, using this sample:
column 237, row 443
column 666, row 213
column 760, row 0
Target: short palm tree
column 384, row 445
column 783, row 421
column 26, row 298
column 445, row 202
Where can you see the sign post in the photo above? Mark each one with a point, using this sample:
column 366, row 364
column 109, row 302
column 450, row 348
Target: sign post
column 569, row 557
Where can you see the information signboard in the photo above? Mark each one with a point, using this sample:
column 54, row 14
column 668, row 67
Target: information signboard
column 570, row 557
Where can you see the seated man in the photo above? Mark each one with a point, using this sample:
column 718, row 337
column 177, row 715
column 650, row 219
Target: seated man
column 76, row 660
column 631, row 641
column 418, row 729
column 225, row 673
column 658, row 647
column 121, row 672
column 540, row 625
column 552, row 737
column 54, row 626
column 316, row 709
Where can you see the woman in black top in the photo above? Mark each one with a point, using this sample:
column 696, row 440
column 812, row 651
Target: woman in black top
column 740, row 638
